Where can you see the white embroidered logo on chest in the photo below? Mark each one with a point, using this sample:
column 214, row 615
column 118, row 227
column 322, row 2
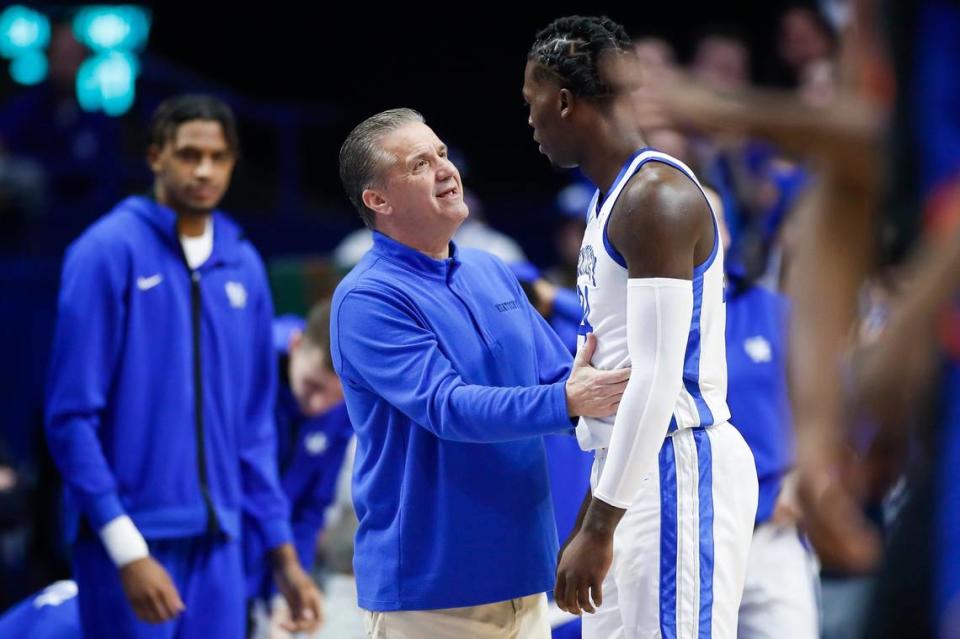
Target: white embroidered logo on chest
column 758, row 348
column 315, row 443
column 237, row 294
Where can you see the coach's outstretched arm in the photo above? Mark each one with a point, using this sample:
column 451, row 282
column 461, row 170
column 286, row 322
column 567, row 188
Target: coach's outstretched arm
column 385, row 349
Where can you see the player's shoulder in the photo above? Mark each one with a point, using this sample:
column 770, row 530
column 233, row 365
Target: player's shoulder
column 660, row 191
column 115, row 227
column 109, row 242
column 231, row 237
column 657, row 205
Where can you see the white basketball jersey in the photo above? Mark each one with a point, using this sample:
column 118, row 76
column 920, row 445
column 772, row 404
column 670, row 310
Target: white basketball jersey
column 602, row 287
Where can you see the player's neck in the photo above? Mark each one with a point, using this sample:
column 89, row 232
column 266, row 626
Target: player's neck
column 605, row 158
column 190, row 223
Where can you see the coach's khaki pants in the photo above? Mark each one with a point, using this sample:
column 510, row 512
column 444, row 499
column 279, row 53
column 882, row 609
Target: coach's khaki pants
column 524, row 618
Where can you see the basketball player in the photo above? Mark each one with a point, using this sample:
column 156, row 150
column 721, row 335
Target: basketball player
column 159, row 400
column 663, row 535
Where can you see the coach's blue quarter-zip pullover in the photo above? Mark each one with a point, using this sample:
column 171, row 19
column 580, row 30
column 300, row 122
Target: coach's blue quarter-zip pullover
column 450, row 379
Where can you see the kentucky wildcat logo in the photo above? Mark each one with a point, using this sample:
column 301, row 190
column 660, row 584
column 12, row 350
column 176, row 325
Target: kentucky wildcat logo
column 587, row 263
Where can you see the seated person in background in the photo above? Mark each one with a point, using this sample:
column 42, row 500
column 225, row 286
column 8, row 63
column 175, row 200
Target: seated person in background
column 49, row 614
column 313, row 431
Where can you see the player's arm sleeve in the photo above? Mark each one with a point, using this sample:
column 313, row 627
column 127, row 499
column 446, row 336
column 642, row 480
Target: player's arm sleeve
column 658, row 324
column 382, row 347
column 86, row 348
column 263, row 497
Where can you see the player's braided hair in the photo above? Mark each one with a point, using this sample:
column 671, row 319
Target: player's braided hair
column 569, row 48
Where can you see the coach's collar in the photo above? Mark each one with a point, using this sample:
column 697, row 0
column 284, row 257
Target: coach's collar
column 413, row 259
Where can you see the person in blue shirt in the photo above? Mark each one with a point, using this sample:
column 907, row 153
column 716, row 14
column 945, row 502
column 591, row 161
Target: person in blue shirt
column 159, row 409
column 451, row 379
column 313, row 431
column 49, row 614
column 780, row 590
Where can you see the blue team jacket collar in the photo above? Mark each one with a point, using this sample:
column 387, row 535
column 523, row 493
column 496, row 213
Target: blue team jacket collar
column 226, row 235
column 413, row 259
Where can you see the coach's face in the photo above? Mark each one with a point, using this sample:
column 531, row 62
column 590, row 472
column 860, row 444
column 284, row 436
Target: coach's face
column 420, row 186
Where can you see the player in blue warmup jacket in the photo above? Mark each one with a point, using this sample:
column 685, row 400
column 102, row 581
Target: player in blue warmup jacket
column 160, row 400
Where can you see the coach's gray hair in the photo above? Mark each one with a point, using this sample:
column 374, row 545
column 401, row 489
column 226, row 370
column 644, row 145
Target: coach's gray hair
column 362, row 158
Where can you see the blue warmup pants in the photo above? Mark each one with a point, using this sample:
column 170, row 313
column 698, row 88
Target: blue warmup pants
column 208, row 573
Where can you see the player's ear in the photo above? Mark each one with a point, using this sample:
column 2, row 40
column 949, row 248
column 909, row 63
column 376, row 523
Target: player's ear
column 565, row 101
column 153, row 158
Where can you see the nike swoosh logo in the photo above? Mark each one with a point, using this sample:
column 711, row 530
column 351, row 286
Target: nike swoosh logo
column 146, row 283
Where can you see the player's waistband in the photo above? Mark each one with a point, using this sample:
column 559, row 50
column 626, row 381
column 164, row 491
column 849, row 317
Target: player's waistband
column 602, row 452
